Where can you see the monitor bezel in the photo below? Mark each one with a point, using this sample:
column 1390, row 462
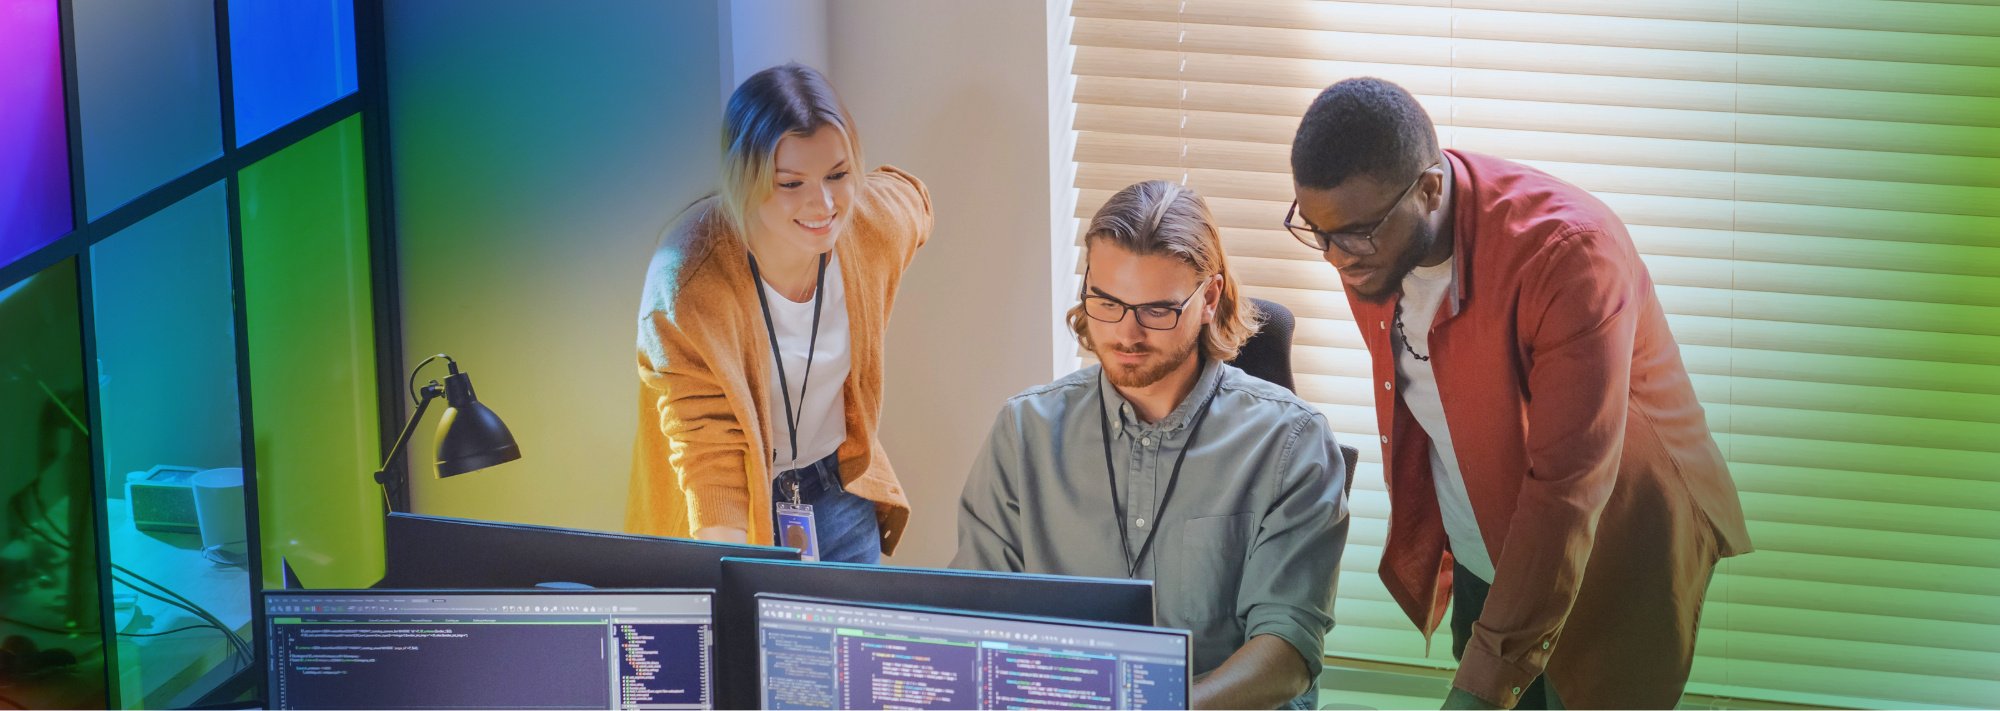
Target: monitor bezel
column 410, row 538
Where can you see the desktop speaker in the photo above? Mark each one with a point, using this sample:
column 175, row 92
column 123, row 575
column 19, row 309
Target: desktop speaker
column 162, row 499
column 218, row 504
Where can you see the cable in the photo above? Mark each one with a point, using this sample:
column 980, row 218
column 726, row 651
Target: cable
column 71, row 414
column 36, row 627
column 165, row 633
column 240, row 652
column 184, row 603
column 236, row 642
column 220, row 557
column 238, row 646
column 420, row 367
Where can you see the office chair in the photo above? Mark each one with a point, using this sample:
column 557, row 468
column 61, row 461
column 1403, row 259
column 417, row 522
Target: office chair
column 1268, row 353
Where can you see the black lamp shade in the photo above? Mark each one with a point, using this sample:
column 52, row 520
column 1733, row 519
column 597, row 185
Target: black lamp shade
column 469, row 436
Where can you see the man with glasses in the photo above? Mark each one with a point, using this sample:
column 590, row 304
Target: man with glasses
column 1164, row 463
column 1550, row 472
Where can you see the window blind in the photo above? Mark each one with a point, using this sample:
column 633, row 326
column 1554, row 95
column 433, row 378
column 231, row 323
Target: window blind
column 1815, row 187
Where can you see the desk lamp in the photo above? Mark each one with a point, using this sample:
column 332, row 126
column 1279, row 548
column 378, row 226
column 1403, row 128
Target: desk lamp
column 469, row 436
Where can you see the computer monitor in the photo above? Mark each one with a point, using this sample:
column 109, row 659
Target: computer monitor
column 437, row 649
column 816, row 653
column 1096, row 599
column 441, row 552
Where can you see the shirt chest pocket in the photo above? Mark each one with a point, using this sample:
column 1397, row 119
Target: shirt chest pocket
column 1213, row 550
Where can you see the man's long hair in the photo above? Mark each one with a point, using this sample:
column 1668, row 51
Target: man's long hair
column 1159, row 217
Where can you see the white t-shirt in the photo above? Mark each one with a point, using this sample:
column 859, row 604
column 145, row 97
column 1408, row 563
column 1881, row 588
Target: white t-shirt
column 822, row 408
column 1423, row 292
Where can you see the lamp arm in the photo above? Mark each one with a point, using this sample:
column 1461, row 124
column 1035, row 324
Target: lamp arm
column 396, row 488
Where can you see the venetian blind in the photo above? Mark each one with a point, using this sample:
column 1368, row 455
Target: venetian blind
column 1815, row 185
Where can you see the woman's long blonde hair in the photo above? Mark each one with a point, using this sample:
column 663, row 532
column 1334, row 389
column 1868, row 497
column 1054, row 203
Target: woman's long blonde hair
column 786, row 100
column 1159, row 217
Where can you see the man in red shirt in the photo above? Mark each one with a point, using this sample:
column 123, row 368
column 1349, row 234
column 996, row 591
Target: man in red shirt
column 1548, row 466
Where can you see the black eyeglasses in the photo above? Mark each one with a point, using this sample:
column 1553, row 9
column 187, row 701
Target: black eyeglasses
column 1151, row 316
column 1359, row 243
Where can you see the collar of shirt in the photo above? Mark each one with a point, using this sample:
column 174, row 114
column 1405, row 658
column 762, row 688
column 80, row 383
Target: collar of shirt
column 1129, row 424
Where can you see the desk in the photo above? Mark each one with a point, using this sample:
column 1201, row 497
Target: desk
column 165, row 671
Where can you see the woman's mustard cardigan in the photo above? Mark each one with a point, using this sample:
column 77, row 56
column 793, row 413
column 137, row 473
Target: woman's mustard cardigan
column 703, row 453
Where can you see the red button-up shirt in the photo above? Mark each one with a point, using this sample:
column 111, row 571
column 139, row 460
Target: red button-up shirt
column 1598, row 489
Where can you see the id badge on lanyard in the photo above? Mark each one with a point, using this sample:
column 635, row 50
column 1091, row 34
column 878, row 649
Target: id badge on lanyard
column 794, row 525
column 795, row 529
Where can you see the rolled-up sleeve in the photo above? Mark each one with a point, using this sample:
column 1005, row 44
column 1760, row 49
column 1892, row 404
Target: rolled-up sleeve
column 1294, row 561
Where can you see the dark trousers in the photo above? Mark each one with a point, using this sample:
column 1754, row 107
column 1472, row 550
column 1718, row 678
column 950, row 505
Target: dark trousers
column 1468, row 599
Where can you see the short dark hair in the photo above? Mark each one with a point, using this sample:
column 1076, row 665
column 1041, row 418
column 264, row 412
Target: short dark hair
column 1364, row 126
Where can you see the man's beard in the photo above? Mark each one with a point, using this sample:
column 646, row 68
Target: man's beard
column 1149, row 372
column 1425, row 238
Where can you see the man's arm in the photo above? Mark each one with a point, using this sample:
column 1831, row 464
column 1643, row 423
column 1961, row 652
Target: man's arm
column 1286, row 595
column 1264, row 673
column 1578, row 313
column 988, row 509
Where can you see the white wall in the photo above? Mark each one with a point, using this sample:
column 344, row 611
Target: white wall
column 956, row 93
column 538, row 151
column 762, row 33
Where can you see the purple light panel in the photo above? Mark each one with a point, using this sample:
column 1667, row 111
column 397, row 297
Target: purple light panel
column 34, row 152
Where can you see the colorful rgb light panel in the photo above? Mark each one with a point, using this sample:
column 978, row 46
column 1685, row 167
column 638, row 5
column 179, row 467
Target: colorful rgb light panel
column 34, row 153
column 310, row 326
column 287, row 59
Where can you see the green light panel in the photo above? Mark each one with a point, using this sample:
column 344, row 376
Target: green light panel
column 310, row 328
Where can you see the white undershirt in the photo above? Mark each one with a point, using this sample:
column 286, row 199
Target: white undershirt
column 823, row 425
column 1423, row 291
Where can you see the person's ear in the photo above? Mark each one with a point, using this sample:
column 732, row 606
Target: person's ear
column 1433, row 189
column 1211, row 297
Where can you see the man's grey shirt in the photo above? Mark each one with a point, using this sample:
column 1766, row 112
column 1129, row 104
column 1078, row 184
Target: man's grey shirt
column 1249, row 542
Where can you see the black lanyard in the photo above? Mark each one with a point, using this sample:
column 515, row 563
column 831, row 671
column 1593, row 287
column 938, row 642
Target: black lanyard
column 1110, row 475
column 812, row 344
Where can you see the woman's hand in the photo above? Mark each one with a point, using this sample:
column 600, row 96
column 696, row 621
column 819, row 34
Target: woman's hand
column 723, row 534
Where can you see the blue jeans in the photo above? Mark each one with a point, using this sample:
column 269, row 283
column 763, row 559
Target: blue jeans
column 848, row 531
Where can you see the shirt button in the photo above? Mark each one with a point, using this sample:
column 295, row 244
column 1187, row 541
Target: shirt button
column 1385, row 385
column 1545, row 645
column 1385, row 439
column 1517, row 691
column 1383, row 324
column 1147, row 441
column 1140, row 521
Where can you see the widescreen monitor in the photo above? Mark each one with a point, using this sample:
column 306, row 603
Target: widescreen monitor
column 819, row 654
column 1119, row 601
column 458, row 649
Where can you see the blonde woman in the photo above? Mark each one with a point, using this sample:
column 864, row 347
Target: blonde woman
column 761, row 330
